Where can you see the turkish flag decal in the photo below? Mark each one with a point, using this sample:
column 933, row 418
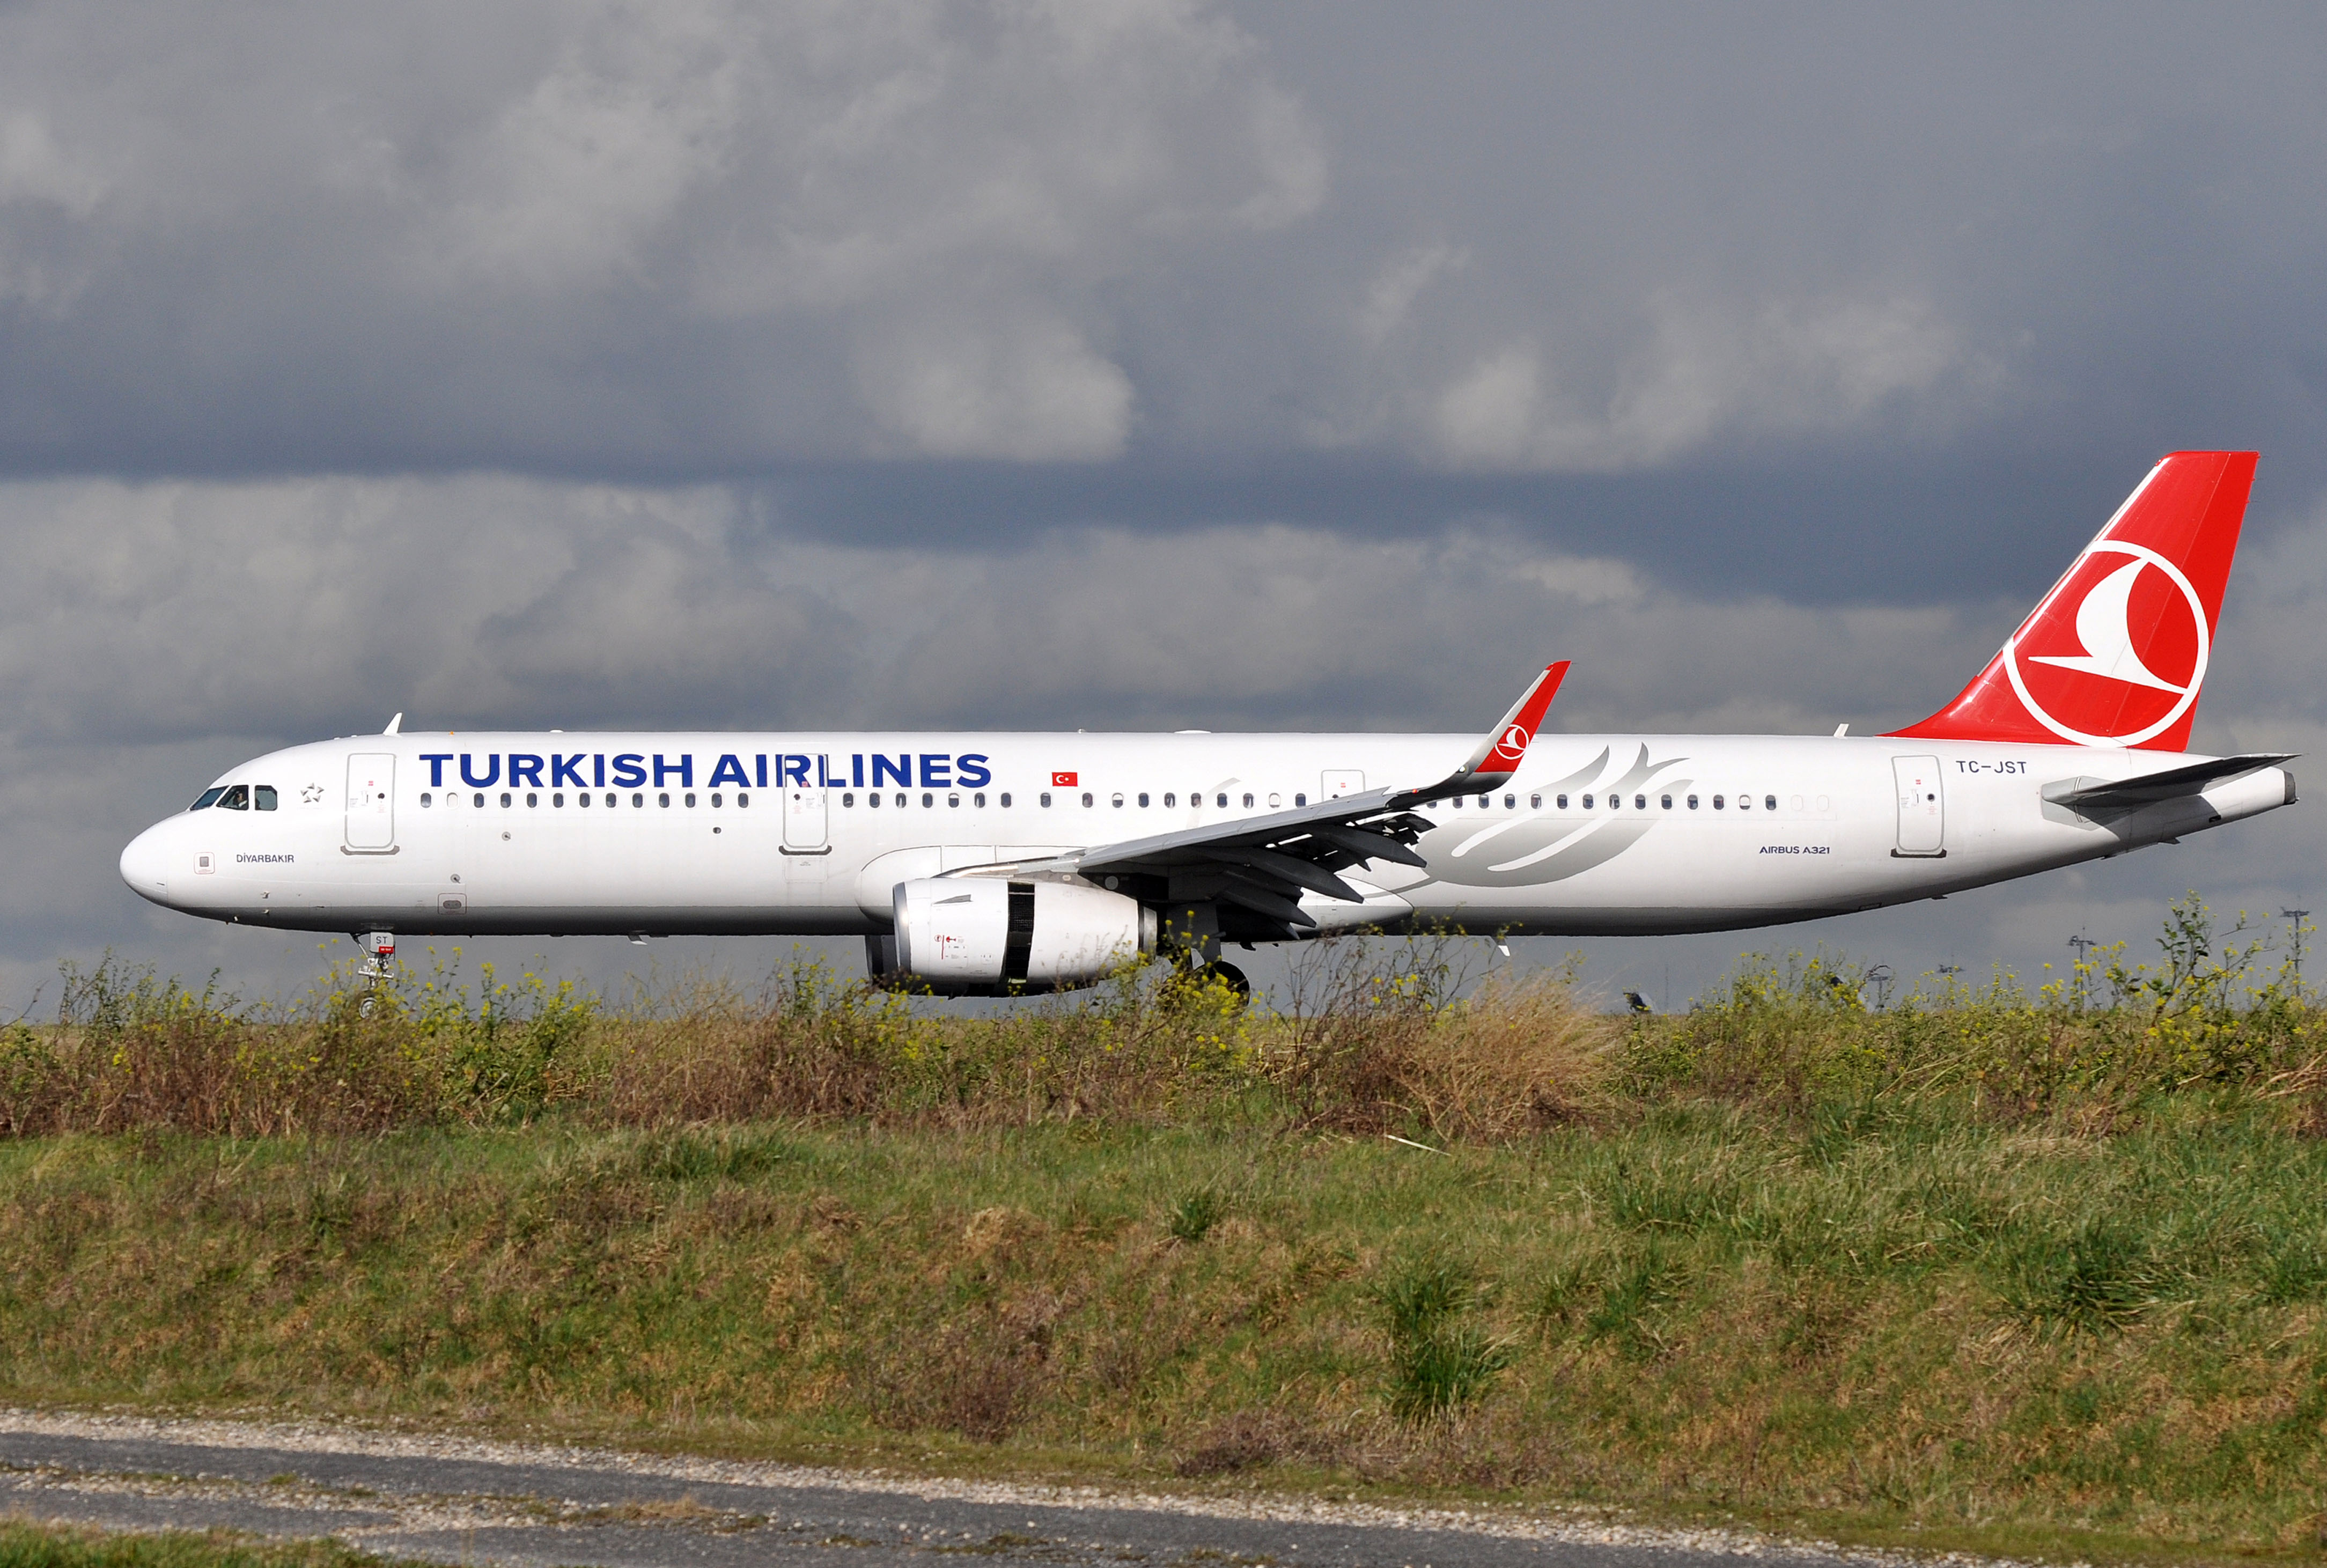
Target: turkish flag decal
column 1062, row 780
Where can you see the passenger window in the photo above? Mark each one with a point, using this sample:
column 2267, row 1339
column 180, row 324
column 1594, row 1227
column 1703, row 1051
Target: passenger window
column 714, row 800
column 236, row 798
column 1300, row 801
column 1142, row 798
column 1668, row 800
column 953, row 800
column 847, row 800
column 558, row 800
column 1005, row 798
column 927, row 801
column 531, row 799
column 1744, row 803
column 1046, row 797
column 263, row 796
column 426, row 800
column 1769, row 803
column 1248, row 802
column 873, row 801
column 1087, row 798
column 1511, row 803
column 1692, row 803
column 1275, row 801
column 1616, row 803
column 507, row 801
column 1640, row 803
column 978, row 800
column 663, row 800
column 1534, row 803
column 1171, row 799
column 1560, row 801
column 1456, row 803
column 582, row 800
column 1587, row 803
column 1118, row 802
column 900, row 799
column 742, row 800
column 691, row 799
column 1718, row 803
column 1224, row 800
column 639, row 801
column 479, row 800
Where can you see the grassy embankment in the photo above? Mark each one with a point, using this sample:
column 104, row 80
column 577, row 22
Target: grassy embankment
column 2036, row 1274
column 27, row 1545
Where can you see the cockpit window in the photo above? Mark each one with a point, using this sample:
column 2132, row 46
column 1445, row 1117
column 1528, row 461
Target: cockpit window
column 238, row 798
column 263, row 796
column 209, row 799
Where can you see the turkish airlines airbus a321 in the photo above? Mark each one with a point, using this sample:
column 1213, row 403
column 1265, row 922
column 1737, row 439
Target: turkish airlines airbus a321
column 985, row 863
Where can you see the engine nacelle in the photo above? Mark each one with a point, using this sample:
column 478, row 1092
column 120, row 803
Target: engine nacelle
column 986, row 936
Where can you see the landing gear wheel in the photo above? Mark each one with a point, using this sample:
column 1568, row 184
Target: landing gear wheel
column 1232, row 977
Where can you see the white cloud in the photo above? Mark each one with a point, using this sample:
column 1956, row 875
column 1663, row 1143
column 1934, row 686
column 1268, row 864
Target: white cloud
column 1698, row 373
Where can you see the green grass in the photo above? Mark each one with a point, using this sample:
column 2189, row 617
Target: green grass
column 27, row 1545
column 1924, row 1326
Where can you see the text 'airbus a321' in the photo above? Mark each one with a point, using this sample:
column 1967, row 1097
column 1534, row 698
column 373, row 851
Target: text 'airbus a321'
column 987, row 864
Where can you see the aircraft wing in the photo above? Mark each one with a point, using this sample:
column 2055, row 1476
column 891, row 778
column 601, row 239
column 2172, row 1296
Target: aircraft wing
column 2091, row 795
column 1265, row 864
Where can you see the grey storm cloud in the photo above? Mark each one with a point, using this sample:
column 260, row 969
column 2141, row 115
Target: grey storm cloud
column 1154, row 364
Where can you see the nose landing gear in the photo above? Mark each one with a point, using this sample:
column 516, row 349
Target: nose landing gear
column 378, row 967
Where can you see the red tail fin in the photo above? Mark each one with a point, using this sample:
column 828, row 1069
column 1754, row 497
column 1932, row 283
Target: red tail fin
column 2116, row 653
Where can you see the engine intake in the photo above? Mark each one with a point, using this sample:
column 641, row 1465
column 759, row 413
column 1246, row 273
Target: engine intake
column 985, row 936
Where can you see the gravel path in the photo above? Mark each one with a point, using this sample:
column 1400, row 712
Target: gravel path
column 462, row 1500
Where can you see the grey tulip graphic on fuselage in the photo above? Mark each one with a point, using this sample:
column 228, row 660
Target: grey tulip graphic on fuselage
column 1531, row 850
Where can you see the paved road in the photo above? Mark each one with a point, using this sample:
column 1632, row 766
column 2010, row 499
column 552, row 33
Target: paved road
column 454, row 1500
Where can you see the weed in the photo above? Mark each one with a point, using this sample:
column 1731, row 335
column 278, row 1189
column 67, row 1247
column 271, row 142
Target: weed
column 2097, row 1279
column 1440, row 1360
column 1193, row 1217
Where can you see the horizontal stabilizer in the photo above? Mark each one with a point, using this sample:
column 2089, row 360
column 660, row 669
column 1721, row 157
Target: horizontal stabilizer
column 2089, row 795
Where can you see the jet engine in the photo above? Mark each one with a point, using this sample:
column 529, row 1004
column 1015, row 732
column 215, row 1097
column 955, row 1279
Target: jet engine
column 986, row 936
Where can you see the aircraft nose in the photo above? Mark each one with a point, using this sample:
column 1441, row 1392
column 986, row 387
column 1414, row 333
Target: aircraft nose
column 145, row 866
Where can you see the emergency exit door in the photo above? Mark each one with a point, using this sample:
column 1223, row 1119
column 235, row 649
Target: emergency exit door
column 804, row 822
column 372, row 802
column 1923, row 805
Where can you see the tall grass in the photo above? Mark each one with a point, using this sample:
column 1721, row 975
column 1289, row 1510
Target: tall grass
column 1374, row 1037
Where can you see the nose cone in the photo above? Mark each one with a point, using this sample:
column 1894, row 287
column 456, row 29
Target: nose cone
column 145, row 863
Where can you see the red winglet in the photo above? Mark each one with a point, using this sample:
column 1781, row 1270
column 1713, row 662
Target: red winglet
column 1519, row 725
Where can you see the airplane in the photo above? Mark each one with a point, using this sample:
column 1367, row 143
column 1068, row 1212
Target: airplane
column 998, row 863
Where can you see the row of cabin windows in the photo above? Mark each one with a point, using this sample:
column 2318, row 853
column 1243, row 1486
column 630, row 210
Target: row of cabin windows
column 237, row 798
column 557, row 798
column 242, row 798
column 1615, row 802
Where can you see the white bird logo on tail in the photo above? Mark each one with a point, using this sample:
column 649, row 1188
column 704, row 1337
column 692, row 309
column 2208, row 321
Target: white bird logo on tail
column 2105, row 631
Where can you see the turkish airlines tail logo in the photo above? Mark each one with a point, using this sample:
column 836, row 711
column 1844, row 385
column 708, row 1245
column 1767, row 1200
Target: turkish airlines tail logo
column 2116, row 654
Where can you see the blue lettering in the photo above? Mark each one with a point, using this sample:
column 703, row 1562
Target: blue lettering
column 524, row 768
column 975, row 774
column 936, row 771
column 795, row 771
column 901, row 769
column 824, row 778
column 561, row 772
column 598, row 771
column 492, row 775
column 629, row 770
column 730, row 770
column 683, row 768
column 857, row 769
column 761, row 762
column 435, row 760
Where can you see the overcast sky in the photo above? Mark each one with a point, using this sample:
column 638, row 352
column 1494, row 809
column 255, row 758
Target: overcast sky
column 1138, row 365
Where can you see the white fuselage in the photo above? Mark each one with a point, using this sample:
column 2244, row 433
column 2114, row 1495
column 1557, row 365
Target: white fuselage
column 742, row 834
